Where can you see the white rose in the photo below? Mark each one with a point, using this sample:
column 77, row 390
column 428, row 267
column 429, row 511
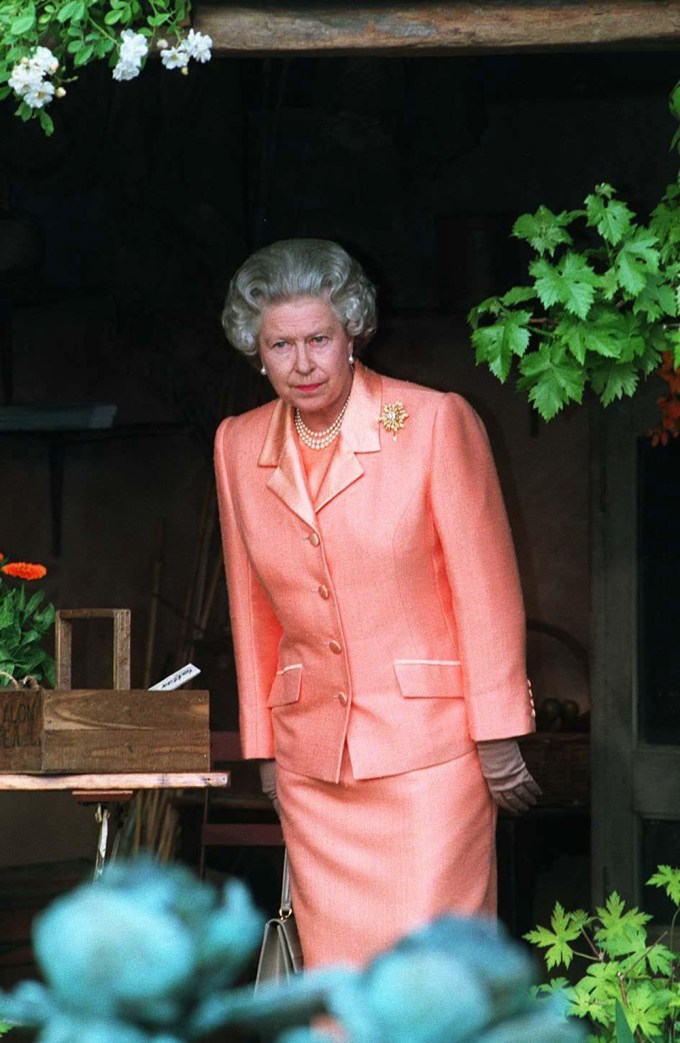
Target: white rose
column 43, row 59
column 133, row 47
column 24, row 77
column 126, row 70
column 39, row 94
column 198, row 46
column 175, row 57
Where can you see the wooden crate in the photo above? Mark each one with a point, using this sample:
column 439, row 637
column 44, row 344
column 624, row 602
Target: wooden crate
column 103, row 730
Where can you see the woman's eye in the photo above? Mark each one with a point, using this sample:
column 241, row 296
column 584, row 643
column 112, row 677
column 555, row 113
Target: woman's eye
column 319, row 339
column 279, row 344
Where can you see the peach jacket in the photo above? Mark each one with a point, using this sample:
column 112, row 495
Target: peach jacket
column 388, row 614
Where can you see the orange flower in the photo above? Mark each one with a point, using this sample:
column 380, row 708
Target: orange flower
column 24, row 570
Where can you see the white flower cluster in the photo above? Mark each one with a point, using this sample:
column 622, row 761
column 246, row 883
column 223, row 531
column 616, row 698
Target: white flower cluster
column 29, row 79
column 134, row 48
column 195, row 45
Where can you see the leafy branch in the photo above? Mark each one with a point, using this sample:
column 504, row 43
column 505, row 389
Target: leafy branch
column 44, row 43
column 631, row 989
column 601, row 314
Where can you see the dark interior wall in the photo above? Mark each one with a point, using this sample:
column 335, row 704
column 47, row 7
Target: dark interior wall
column 148, row 196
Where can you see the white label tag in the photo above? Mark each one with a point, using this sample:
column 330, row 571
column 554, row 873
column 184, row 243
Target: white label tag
column 180, row 677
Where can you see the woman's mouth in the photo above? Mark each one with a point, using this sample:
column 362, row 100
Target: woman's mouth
column 307, row 389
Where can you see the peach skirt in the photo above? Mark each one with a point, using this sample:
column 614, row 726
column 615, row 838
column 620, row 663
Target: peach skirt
column 373, row 859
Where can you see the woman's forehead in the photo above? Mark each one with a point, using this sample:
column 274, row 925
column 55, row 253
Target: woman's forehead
column 300, row 313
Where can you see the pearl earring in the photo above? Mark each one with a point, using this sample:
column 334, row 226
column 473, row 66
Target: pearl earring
column 351, row 360
column 263, row 371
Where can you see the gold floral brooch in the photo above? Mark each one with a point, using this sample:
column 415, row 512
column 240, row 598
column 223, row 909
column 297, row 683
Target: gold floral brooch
column 392, row 417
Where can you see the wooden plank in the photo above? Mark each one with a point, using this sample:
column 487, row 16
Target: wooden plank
column 20, row 729
column 438, row 28
column 106, row 730
column 121, row 642
column 111, row 781
column 103, row 796
column 136, row 730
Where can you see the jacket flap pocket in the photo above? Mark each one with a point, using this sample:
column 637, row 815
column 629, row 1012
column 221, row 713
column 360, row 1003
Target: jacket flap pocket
column 429, row 678
column 286, row 687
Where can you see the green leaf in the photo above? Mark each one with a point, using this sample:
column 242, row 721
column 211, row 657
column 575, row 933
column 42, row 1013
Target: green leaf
column 674, row 101
column 7, row 610
column 45, row 619
column 647, row 1008
column 611, row 218
column 585, row 1005
column 667, row 878
column 623, row 1029
column 67, row 12
column 24, row 23
column 35, row 600
column 489, row 306
column 613, row 380
column 111, row 17
column 636, row 258
column 46, row 122
column 557, row 940
column 623, row 930
column 83, row 56
column 544, row 230
column 570, row 283
column 552, row 380
column 656, row 299
column 555, row 985
column 497, row 344
column 660, row 960
column 575, row 335
column 518, row 295
column 30, row 636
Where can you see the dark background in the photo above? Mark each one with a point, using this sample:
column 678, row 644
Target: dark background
column 134, row 215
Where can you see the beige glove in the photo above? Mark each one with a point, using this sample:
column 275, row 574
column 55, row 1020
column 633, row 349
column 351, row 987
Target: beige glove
column 268, row 783
column 506, row 774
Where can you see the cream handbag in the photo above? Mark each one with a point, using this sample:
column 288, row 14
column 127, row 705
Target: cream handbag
column 281, row 952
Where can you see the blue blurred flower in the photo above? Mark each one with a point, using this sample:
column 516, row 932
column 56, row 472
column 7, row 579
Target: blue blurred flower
column 131, row 957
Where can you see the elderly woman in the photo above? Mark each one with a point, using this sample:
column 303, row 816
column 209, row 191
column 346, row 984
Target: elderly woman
column 376, row 613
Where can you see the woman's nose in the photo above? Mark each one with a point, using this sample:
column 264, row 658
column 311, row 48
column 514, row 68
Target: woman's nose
column 303, row 362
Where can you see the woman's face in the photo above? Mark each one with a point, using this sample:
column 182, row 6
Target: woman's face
column 305, row 350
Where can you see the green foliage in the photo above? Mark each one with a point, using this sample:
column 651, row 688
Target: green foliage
column 603, row 313
column 24, row 623
column 630, row 992
column 76, row 32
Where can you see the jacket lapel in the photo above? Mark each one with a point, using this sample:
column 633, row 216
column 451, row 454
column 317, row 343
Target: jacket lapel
column 288, row 481
column 360, row 434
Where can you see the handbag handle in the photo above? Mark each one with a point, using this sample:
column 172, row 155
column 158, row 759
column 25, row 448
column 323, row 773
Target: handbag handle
column 286, row 908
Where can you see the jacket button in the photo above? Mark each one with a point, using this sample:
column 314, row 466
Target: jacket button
column 342, row 696
column 314, row 540
column 323, row 591
column 335, row 647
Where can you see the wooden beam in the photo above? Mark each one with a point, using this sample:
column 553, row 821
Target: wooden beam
column 425, row 28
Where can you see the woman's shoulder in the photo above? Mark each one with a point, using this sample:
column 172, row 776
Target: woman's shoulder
column 236, row 433
column 432, row 399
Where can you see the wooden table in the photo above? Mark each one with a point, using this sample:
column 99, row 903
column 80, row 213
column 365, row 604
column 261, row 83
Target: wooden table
column 111, row 789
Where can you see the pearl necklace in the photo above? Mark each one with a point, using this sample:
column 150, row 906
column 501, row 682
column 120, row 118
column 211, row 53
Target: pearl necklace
column 319, row 439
